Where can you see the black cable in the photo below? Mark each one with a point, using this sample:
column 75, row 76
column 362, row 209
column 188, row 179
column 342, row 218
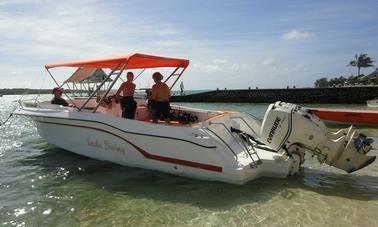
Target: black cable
column 235, row 130
column 10, row 115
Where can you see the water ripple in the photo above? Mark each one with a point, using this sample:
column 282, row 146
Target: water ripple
column 41, row 184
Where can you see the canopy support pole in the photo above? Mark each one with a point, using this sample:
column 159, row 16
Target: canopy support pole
column 111, row 85
column 58, row 84
column 178, row 77
column 52, row 77
column 173, row 73
column 139, row 74
column 75, row 88
column 68, row 86
column 98, row 88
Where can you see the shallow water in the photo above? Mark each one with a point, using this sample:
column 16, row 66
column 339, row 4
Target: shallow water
column 41, row 184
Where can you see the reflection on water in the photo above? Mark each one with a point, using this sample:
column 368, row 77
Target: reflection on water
column 41, row 184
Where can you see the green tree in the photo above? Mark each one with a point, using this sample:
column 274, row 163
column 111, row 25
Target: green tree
column 334, row 82
column 342, row 80
column 352, row 80
column 361, row 61
column 322, row 82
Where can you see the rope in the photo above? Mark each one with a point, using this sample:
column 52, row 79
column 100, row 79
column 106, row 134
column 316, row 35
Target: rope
column 10, row 115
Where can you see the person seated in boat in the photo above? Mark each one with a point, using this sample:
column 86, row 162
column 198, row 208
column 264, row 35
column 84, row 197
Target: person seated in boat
column 160, row 94
column 126, row 100
column 58, row 100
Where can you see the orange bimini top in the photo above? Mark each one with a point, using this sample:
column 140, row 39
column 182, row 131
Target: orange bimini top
column 134, row 61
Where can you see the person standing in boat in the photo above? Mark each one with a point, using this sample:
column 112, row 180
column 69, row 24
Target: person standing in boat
column 58, row 100
column 182, row 88
column 126, row 100
column 160, row 94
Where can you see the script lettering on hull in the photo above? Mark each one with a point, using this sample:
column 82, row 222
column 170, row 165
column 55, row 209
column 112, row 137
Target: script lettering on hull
column 105, row 145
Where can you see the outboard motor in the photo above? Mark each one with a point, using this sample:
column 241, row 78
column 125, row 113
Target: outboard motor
column 295, row 130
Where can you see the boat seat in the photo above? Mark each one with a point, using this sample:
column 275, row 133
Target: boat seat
column 172, row 123
column 142, row 113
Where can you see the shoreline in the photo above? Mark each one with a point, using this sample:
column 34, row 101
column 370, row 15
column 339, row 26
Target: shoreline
column 337, row 95
column 331, row 95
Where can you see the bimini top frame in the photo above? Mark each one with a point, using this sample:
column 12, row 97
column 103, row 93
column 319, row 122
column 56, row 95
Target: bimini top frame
column 119, row 64
column 134, row 61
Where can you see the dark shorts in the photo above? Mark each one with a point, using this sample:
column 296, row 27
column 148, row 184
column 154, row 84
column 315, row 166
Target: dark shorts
column 129, row 106
column 160, row 110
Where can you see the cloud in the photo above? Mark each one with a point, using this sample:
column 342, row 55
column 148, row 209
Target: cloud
column 223, row 66
column 219, row 61
column 236, row 67
column 36, row 32
column 296, row 35
column 51, row 32
column 206, row 68
column 269, row 62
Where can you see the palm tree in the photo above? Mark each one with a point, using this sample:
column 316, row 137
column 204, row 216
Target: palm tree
column 361, row 61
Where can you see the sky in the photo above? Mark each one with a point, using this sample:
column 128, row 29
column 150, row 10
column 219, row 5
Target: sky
column 230, row 44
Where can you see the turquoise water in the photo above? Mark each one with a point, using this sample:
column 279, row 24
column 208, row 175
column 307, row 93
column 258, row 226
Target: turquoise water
column 41, row 184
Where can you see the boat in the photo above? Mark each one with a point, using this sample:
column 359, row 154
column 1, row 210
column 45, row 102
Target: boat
column 372, row 103
column 346, row 116
column 225, row 146
column 84, row 80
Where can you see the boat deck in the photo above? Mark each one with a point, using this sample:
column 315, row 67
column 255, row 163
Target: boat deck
column 142, row 112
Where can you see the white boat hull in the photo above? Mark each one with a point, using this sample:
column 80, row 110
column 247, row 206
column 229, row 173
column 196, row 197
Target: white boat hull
column 185, row 151
column 372, row 103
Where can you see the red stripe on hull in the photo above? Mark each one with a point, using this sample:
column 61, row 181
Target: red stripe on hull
column 152, row 156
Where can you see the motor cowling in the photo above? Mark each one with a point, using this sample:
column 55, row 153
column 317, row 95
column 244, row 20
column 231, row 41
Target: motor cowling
column 286, row 125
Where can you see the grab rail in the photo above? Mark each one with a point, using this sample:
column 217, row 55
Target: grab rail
column 232, row 135
column 222, row 141
column 221, row 123
column 245, row 149
column 239, row 117
column 246, row 142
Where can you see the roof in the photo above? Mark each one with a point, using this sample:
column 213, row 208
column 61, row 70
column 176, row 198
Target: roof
column 87, row 75
column 134, row 61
